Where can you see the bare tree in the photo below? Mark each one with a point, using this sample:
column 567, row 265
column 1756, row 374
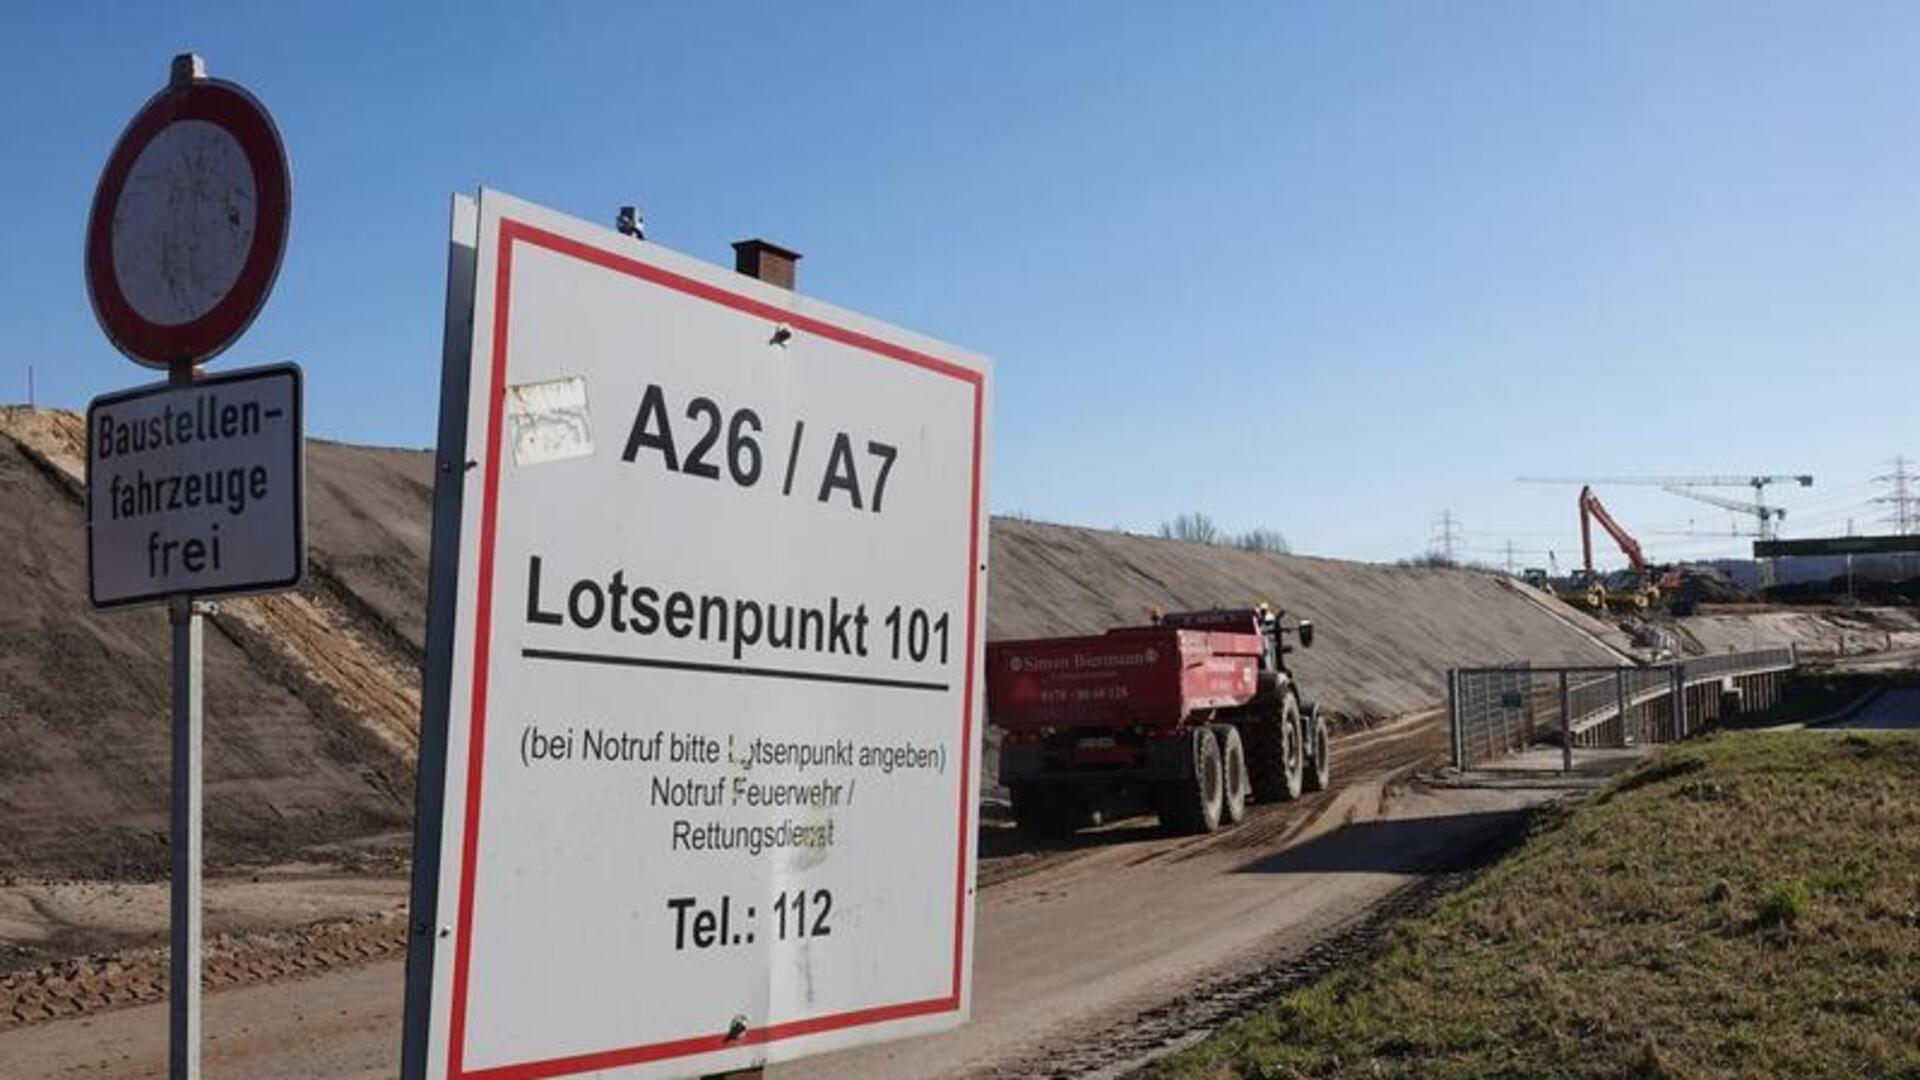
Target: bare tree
column 1268, row 541
column 1196, row 527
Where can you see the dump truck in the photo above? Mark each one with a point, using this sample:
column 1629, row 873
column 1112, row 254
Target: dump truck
column 1193, row 713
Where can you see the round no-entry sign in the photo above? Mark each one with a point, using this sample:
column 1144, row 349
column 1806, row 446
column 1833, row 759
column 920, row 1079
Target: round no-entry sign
column 188, row 223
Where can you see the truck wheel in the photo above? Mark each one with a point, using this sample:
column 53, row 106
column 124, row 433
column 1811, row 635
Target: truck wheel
column 1046, row 812
column 1319, row 754
column 1193, row 803
column 1233, row 763
column 1293, row 745
column 1275, row 751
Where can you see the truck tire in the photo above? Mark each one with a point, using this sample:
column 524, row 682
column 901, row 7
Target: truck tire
column 1047, row 812
column 1319, row 774
column 1276, row 752
column 1193, row 803
column 1233, row 762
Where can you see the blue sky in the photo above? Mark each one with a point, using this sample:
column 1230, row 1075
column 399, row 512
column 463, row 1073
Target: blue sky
column 1330, row 269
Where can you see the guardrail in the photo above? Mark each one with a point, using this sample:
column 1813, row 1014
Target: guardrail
column 1499, row 710
column 1753, row 661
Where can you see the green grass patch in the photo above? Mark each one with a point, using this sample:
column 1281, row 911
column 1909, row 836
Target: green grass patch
column 1785, row 903
column 1744, row 905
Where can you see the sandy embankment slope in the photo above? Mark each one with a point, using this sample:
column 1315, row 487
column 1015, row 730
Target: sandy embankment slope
column 313, row 697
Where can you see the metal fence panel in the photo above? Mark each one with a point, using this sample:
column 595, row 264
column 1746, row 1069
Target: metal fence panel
column 1495, row 711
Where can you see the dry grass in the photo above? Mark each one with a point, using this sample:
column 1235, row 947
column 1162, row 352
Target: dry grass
column 1746, row 905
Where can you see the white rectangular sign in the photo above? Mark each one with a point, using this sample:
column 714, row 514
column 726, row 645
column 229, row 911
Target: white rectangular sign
column 714, row 722
column 197, row 490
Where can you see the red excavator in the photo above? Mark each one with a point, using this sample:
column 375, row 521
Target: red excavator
column 1637, row 587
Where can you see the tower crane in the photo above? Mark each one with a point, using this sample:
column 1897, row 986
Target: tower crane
column 1764, row 515
column 1769, row 517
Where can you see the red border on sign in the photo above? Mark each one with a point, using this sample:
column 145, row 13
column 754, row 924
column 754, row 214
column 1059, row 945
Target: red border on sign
column 237, row 112
column 510, row 232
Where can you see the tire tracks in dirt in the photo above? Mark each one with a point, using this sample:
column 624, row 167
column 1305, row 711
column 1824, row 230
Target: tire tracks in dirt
column 92, row 984
column 1369, row 761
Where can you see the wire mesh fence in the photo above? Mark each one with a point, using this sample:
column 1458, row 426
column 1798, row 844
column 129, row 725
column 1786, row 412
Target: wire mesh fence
column 1498, row 711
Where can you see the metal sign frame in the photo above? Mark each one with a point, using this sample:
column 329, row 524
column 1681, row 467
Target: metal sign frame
column 424, row 934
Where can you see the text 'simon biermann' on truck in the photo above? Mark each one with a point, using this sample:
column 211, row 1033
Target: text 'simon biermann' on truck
column 1193, row 713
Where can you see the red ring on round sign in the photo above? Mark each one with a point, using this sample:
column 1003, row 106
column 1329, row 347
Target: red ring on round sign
column 230, row 107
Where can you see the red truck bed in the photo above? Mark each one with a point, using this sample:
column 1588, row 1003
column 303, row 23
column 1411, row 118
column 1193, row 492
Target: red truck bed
column 1155, row 676
column 1192, row 715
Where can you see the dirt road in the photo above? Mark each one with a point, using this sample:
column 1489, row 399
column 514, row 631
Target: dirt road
column 1092, row 959
column 1087, row 957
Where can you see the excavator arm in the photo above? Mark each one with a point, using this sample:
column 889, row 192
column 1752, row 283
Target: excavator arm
column 1590, row 511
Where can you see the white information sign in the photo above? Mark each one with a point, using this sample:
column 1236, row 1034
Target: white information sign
column 197, row 490
column 713, row 730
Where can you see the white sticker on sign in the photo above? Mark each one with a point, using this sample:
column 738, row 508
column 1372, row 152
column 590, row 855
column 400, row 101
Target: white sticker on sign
column 550, row 421
column 712, row 753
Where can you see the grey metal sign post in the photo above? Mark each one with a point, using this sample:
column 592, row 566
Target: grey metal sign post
column 185, row 832
column 184, row 241
column 183, row 997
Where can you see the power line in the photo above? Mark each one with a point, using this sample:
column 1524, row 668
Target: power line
column 1905, row 503
column 1510, row 564
column 1509, row 553
column 1447, row 535
column 1840, row 503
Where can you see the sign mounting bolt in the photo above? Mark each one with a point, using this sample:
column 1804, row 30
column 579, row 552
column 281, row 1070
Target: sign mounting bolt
column 631, row 222
column 187, row 67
